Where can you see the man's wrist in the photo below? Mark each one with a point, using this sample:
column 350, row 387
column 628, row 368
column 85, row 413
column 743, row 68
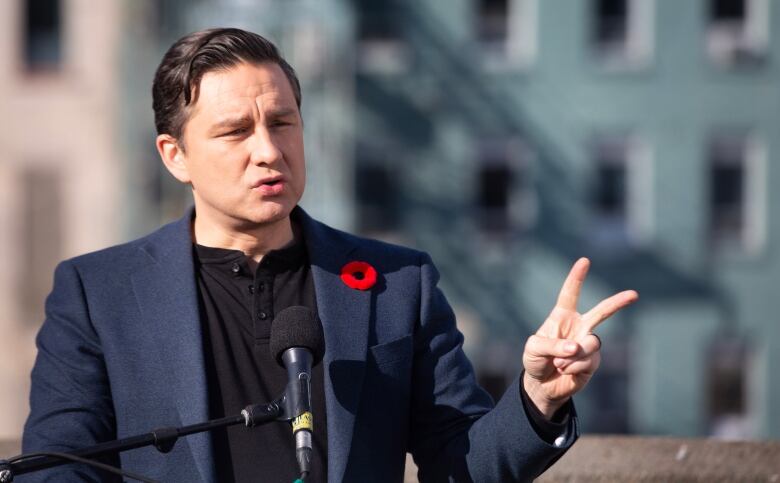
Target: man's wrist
column 547, row 407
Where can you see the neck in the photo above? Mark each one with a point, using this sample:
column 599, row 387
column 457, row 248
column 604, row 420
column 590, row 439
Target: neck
column 254, row 241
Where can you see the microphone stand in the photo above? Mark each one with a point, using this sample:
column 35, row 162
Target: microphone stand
column 162, row 438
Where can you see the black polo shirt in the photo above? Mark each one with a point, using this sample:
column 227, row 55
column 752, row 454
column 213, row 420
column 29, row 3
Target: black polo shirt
column 237, row 307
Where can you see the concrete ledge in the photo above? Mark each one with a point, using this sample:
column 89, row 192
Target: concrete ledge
column 9, row 448
column 634, row 458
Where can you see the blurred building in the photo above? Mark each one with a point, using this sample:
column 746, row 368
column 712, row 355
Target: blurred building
column 509, row 137
column 505, row 137
column 59, row 164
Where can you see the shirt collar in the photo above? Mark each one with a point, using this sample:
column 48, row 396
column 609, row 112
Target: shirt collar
column 289, row 256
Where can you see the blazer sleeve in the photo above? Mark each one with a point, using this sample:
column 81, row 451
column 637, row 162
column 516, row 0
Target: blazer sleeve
column 70, row 397
column 456, row 433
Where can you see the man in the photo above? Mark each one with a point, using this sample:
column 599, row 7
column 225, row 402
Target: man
column 172, row 329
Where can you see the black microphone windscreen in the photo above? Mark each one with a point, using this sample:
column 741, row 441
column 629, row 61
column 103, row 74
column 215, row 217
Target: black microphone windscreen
column 297, row 326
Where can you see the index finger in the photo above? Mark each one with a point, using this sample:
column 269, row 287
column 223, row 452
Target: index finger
column 570, row 291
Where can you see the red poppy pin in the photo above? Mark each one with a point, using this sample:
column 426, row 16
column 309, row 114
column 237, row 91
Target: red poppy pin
column 358, row 275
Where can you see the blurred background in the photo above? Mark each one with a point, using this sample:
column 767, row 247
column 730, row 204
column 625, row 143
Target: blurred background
column 505, row 137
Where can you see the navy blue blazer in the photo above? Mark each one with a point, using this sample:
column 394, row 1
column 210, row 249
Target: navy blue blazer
column 120, row 353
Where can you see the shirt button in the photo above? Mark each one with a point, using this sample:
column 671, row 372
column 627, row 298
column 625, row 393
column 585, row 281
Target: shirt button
column 235, row 268
column 251, row 289
column 262, row 315
column 261, row 286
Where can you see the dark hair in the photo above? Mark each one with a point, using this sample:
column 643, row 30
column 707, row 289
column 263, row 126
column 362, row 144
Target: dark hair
column 192, row 56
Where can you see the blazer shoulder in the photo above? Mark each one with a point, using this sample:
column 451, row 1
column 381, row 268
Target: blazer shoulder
column 127, row 255
column 366, row 246
column 105, row 256
column 391, row 250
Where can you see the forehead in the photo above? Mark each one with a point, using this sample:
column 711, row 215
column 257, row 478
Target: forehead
column 243, row 86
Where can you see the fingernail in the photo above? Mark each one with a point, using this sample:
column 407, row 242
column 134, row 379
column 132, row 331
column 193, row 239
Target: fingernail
column 570, row 347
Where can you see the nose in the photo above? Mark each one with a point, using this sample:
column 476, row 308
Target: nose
column 263, row 148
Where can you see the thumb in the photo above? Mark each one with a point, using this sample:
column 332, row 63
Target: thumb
column 545, row 347
column 540, row 351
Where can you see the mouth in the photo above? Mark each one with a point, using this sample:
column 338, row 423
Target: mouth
column 269, row 181
column 270, row 186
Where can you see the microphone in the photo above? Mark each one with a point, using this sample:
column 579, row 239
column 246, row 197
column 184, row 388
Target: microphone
column 297, row 344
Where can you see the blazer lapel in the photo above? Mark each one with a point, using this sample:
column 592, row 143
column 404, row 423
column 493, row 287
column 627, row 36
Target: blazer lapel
column 345, row 315
column 167, row 296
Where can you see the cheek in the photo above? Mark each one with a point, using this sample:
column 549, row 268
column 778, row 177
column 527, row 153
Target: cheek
column 223, row 160
column 292, row 145
column 292, row 142
column 298, row 174
column 300, row 166
column 302, row 177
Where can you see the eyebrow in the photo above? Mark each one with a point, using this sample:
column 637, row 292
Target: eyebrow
column 241, row 120
column 231, row 122
column 282, row 112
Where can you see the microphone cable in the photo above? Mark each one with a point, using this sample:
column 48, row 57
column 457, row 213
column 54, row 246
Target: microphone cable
column 78, row 459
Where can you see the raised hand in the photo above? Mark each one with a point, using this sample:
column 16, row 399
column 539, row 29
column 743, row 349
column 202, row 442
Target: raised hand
column 562, row 356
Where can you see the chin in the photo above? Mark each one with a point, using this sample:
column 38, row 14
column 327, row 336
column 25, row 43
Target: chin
column 270, row 213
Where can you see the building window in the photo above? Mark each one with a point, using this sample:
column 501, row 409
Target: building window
column 610, row 159
column 611, row 186
column 496, row 365
column 495, row 182
column 381, row 45
column 41, row 237
column 737, row 192
column 610, row 390
column 622, row 33
column 493, row 21
column 506, row 31
column 621, row 191
column 505, row 197
column 728, row 408
column 42, row 35
column 738, row 32
column 727, row 192
column 376, row 192
column 611, row 22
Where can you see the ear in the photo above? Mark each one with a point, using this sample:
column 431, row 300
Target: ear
column 173, row 157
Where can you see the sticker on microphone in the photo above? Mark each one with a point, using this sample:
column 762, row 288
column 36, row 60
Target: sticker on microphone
column 304, row 421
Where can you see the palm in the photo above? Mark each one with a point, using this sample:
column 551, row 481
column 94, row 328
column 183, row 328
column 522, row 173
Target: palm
column 559, row 377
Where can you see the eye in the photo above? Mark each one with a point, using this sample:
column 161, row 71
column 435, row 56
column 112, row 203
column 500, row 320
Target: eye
column 280, row 123
column 237, row 132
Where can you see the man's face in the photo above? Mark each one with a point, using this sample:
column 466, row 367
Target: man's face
column 244, row 146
